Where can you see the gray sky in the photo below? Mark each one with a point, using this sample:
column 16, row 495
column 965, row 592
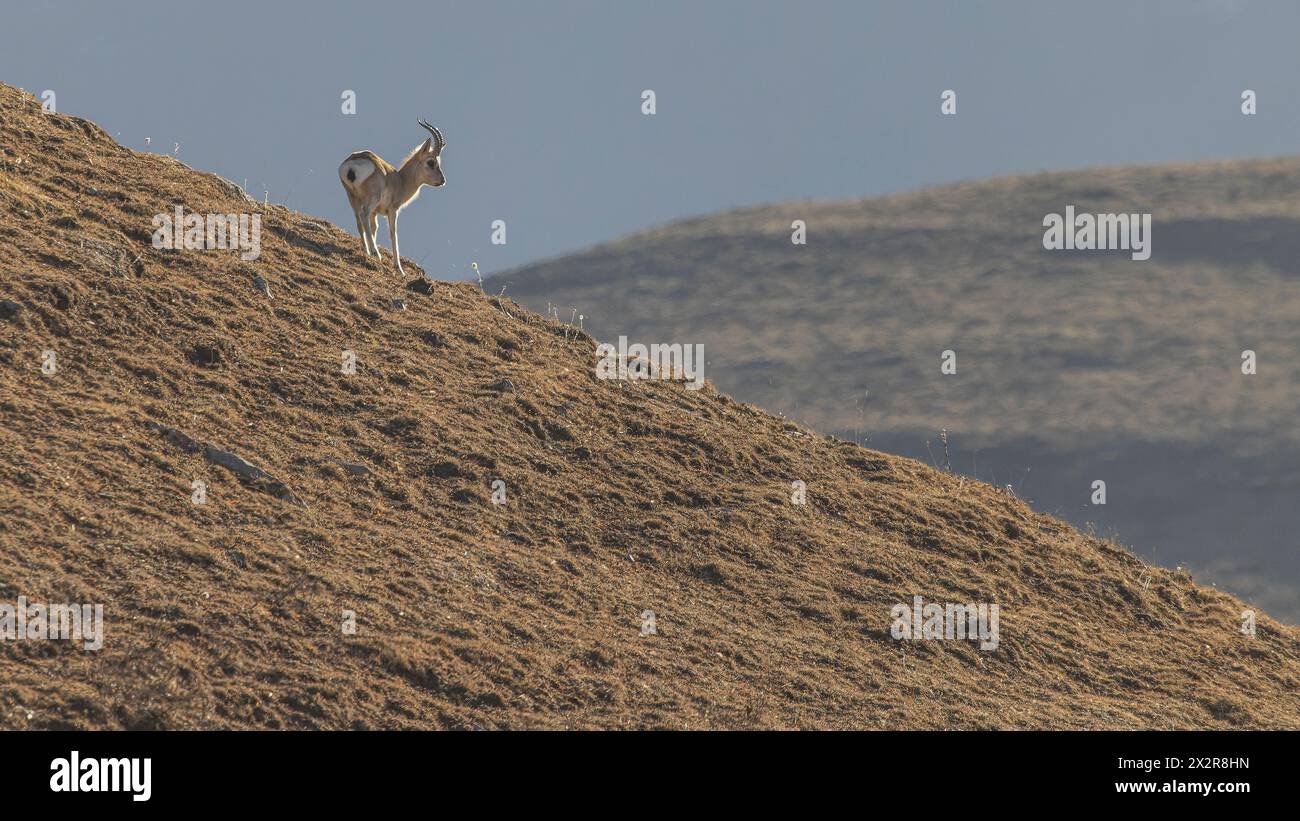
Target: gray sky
column 757, row 101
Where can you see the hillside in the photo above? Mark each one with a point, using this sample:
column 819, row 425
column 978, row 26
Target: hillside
column 1071, row 366
column 374, row 495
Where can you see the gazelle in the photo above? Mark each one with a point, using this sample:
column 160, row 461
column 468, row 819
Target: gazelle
column 376, row 188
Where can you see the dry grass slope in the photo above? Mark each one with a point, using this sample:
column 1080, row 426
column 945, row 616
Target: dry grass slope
column 622, row 497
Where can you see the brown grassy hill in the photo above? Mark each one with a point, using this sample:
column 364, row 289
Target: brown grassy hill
column 622, row 497
column 1074, row 366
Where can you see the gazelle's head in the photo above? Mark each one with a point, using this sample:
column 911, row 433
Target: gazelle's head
column 431, row 157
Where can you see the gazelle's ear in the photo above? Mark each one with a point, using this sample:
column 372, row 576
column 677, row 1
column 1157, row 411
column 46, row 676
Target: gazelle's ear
column 428, row 145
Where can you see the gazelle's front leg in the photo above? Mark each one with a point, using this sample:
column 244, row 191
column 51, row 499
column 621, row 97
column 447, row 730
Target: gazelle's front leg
column 392, row 236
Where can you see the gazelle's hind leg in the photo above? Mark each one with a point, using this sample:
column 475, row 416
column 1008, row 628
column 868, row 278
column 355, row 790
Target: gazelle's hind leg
column 361, row 230
column 359, row 211
column 372, row 226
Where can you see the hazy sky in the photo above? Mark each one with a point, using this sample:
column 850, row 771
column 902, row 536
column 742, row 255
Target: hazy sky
column 757, row 101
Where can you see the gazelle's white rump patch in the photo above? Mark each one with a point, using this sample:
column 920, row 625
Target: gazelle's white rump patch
column 355, row 172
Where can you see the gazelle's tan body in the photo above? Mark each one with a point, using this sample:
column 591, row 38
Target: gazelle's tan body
column 375, row 188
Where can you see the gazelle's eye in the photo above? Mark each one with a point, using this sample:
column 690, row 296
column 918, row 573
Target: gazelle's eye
column 431, row 163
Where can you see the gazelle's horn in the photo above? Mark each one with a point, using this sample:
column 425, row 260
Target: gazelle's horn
column 438, row 142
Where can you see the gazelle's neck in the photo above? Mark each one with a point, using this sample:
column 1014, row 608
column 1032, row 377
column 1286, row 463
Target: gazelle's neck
column 409, row 174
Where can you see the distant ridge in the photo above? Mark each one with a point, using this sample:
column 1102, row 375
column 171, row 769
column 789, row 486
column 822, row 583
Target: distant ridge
column 1072, row 366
